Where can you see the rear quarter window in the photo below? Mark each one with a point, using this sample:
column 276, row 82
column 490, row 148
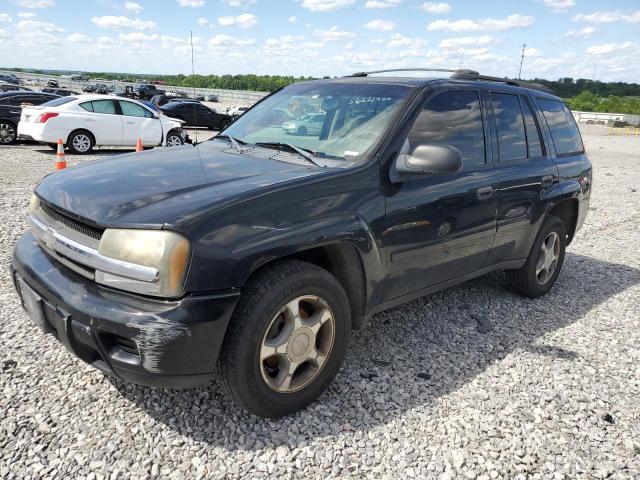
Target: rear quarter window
column 564, row 131
column 56, row 102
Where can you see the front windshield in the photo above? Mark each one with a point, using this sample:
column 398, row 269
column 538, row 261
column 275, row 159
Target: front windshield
column 334, row 120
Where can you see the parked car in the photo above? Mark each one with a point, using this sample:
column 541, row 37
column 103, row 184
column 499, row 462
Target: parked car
column 89, row 89
column 52, row 83
column 63, row 92
column 254, row 257
column 126, row 92
column 12, row 87
column 147, row 91
column 79, row 78
column 164, row 99
column 11, row 109
column 86, row 121
column 213, row 98
column 10, row 79
column 309, row 124
column 196, row 114
column 236, row 111
column 101, row 89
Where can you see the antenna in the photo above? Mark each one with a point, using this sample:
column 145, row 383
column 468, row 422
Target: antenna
column 193, row 77
column 524, row 45
column 593, row 77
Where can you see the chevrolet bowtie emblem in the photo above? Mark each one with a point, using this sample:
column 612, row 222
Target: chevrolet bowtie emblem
column 49, row 238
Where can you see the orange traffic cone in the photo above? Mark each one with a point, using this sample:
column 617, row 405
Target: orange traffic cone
column 61, row 162
column 139, row 145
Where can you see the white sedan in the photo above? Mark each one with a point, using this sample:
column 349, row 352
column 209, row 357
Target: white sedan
column 85, row 121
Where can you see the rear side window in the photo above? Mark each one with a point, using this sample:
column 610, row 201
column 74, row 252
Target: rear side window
column 564, row 131
column 534, row 144
column 56, row 102
column 512, row 141
column 452, row 118
column 99, row 106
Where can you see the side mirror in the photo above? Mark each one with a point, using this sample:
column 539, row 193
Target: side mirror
column 430, row 160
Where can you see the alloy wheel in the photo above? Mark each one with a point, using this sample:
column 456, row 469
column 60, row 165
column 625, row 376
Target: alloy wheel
column 7, row 133
column 548, row 258
column 81, row 142
column 174, row 141
column 297, row 344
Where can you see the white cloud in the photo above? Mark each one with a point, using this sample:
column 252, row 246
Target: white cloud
column 608, row 17
column 382, row 3
column 204, row 22
column 35, row 3
column 3, row 33
column 240, row 3
column 436, row 8
column 293, row 19
column 532, row 52
column 380, row 25
column 191, row 3
column 334, row 33
column 326, row 5
column 486, row 24
column 26, row 14
column 457, row 42
column 585, row 32
column 133, row 7
column 608, row 48
column 112, row 21
column 399, row 40
column 228, row 41
column 37, row 26
column 77, row 38
column 5, row 18
column 559, row 5
column 246, row 20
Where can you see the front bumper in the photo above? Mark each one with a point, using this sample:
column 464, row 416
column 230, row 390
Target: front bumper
column 146, row 341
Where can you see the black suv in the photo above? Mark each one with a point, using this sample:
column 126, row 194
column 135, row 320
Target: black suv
column 259, row 252
column 11, row 109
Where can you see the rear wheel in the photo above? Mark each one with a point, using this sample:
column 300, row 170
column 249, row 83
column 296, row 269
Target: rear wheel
column 80, row 142
column 286, row 340
column 8, row 133
column 224, row 123
column 543, row 265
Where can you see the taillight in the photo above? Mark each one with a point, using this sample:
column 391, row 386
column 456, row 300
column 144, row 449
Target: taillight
column 43, row 117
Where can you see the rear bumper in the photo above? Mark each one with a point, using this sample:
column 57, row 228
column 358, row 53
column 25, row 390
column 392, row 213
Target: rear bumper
column 41, row 132
column 146, row 341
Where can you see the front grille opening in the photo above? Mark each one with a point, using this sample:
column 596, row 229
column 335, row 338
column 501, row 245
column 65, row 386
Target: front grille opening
column 83, row 270
column 72, row 223
column 125, row 344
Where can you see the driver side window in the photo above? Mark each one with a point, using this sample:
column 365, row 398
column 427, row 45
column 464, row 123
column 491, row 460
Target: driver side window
column 452, row 118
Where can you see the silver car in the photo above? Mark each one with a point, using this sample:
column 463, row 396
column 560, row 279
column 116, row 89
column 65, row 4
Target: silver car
column 310, row 123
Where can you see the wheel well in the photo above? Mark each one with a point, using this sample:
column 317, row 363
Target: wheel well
column 344, row 263
column 93, row 137
column 567, row 211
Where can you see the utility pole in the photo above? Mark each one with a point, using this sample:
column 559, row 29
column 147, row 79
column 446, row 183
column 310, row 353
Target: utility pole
column 593, row 77
column 524, row 45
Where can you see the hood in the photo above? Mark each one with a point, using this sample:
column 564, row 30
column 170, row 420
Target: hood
column 171, row 186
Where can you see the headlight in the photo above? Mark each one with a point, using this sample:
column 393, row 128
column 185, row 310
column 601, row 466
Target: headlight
column 168, row 252
column 34, row 203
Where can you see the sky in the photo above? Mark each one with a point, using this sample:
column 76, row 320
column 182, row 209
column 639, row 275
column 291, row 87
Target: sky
column 564, row 38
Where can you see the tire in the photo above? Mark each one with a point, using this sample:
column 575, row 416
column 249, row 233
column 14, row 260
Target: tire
column 8, row 133
column 80, row 142
column 224, row 123
column 541, row 270
column 174, row 139
column 302, row 131
column 253, row 372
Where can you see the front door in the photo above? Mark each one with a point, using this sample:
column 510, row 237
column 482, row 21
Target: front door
column 139, row 123
column 442, row 227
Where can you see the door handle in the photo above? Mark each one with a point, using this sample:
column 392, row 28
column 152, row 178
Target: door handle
column 547, row 180
column 484, row 193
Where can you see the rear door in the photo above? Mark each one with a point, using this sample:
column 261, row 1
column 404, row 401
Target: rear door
column 441, row 227
column 139, row 123
column 103, row 120
column 525, row 171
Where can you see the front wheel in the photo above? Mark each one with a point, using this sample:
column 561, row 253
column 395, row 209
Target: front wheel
column 543, row 265
column 286, row 340
column 224, row 123
column 174, row 140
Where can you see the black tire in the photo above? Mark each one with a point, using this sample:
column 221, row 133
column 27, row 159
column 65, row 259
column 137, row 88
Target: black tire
column 224, row 123
column 174, row 137
column 77, row 138
column 239, row 364
column 8, row 133
column 302, row 131
column 525, row 280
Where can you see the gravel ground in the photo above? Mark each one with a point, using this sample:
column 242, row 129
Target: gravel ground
column 473, row 382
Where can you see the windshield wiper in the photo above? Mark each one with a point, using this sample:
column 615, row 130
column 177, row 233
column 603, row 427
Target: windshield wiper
column 303, row 152
column 233, row 141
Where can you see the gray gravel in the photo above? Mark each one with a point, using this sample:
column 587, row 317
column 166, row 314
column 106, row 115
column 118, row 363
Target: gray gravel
column 473, row 382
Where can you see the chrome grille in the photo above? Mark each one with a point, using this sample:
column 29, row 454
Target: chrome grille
column 71, row 223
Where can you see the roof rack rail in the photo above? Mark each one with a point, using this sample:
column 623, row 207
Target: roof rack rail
column 469, row 75
column 458, row 71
